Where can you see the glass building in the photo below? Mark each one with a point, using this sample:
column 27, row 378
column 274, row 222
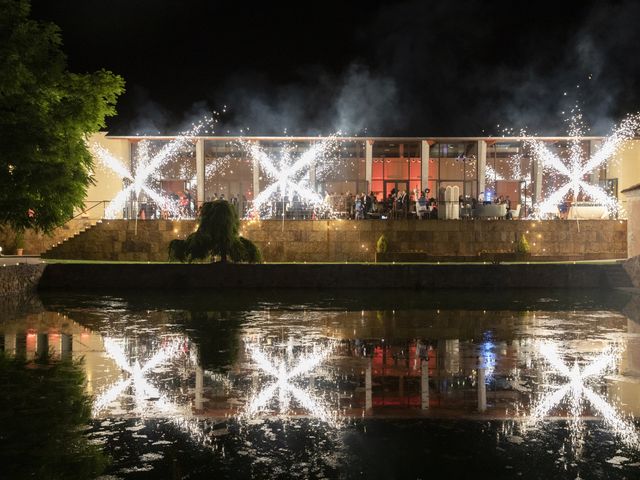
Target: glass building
column 204, row 168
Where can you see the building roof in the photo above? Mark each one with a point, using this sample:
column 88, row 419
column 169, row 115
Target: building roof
column 309, row 138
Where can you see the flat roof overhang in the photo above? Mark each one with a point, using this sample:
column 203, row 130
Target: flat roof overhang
column 311, row 139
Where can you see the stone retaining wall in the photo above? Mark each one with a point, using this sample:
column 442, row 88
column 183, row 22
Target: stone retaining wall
column 19, row 279
column 36, row 243
column 341, row 276
column 355, row 241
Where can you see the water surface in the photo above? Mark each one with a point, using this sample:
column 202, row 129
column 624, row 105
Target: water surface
column 366, row 384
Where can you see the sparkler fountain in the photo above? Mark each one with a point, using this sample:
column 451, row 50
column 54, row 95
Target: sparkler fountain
column 147, row 167
column 285, row 370
column 289, row 175
column 577, row 167
column 577, row 389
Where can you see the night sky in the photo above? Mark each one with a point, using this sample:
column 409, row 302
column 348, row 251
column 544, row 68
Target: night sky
column 422, row 68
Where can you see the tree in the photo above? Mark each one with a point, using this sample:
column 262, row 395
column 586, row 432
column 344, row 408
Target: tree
column 217, row 235
column 44, row 409
column 46, row 115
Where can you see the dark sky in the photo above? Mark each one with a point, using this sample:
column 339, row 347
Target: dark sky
column 451, row 68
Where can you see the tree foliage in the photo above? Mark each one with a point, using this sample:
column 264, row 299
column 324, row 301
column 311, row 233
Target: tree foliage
column 244, row 250
column 46, row 114
column 216, row 236
column 43, row 409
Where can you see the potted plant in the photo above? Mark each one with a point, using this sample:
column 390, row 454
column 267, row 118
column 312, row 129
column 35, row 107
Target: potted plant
column 19, row 243
column 381, row 247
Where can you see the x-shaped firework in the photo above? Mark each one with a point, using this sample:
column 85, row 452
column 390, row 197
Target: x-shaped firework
column 147, row 166
column 577, row 389
column 575, row 169
column 289, row 176
column 285, row 371
column 136, row 376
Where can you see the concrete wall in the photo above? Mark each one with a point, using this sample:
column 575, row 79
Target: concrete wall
column 625, row 166
column 357, row 275
column 108, row 184
column 355, row 241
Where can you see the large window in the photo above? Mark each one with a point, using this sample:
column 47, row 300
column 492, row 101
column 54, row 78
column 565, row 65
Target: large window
column 228, row 173
column 396, row 166
column 509, row 173
column 169, row 181
column 453, row 164
column 342, row 170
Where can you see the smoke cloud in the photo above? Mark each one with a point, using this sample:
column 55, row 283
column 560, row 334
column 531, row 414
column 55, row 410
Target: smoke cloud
column 425, row 69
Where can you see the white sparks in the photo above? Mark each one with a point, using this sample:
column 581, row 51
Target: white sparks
column 576, row 169
column 290, row 176
column 577, row 389
column 136, row 377
column 147, row 167
column 285, row 371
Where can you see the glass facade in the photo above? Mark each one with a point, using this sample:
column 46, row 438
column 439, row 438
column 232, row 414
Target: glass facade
column 343, row 171
column 340, row 168
column 228, row 174
column 453, row 164
column 396, row 166
column 168, row 173
column 509, row 173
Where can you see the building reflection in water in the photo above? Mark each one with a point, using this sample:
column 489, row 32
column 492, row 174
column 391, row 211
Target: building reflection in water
column 338, row 365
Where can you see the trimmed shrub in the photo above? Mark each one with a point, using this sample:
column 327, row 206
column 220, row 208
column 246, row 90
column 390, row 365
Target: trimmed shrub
column 382, row 245
column 522, row 246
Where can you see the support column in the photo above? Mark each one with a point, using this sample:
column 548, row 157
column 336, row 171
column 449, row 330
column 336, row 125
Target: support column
column 256, row 177
column 424, row 384
column 424, row 163
column 66, row 345
column 368, row 402
column 127, row 212
column 21, row 345
column 10, row 343
column 200, row 171
column 482, row 165
column 537, row 178
column 368, row 166
column 42, row 345
column 594, row 176
column 482, row 389
column 312, row 176
column 199, row 387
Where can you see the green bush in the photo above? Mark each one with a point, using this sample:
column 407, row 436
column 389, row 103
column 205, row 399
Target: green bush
column 217, row 235
column 522, row 246
column 382, row 245
column 244, row 250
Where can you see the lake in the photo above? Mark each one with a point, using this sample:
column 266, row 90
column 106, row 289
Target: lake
column 330, row 384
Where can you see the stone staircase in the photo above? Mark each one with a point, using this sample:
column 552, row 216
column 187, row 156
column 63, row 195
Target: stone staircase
column 68, row 247
column 122, row 240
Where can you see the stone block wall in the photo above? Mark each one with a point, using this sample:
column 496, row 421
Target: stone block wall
column 16, row 280
column 355, row 241
column 36, row 243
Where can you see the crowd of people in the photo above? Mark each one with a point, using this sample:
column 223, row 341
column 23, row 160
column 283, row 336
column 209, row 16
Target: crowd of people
column 397, row 204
